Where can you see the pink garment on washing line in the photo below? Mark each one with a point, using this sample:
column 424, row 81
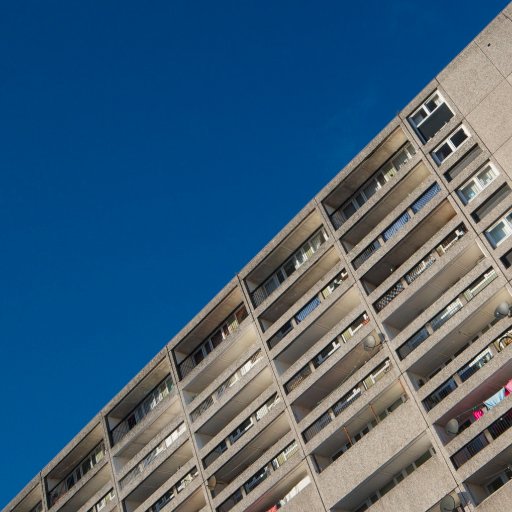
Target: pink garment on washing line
column 478, row 413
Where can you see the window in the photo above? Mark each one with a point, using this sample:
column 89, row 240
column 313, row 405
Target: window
column 450, row 144
column 430, row 117
column 500, row 231
column 477, row 183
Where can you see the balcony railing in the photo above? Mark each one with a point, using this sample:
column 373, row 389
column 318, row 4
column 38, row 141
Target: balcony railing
column 260, row 476
column 376, row 182
column 478, row 443
column 355, row 437
column 217, row 395
column 347, row 400
column 174, row 491
column 467, row 370
column 397, row 225
column 142, row 410
column 306, row 310
column 303, row 254
column 79, row 471
column 155, row 454
column 418, row 269
column 446, row 314
column 232, row 438
column 220, row 334
column 327, row 352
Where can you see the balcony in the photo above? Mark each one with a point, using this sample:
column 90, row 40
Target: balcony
column 446, row 314
column 466, row 371
column 419, row 268
column 227, row 328
column 241, row 430
column 397, row 225
column 259, row 477
column 315, row 317
column 367, row 420
column 371, row 469
column 135, row 416
column 79, row 477
column 377, row 186
column 346, row 401
column 249, row 451
column 155, row 456
column 279, row 276
column 486, row 437
column 326, row 353
column 173, row 494
column 218, row 394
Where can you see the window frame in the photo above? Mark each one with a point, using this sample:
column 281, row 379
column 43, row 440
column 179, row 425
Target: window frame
column 477, row 182
column 450, row 144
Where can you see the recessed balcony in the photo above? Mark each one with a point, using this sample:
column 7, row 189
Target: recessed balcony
column 172, row 499
column 230, row 398
column 446, row 313
column 295, row 338
column 188, row 354
column 441, row 280
column 397, row 225
column 329, row 350
column 81, row 474
column 290, row 256
column 415, row 236
column 467, row 370
column 251, row 452
column 374, row 176
column 298, row 288
column 258, row 478
column 369, row 216
column 290, row 268
column 368, row 419
column 236, row 437
column 346, row 400
column 419, row 268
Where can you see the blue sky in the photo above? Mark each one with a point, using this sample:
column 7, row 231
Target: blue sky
column 150, row 149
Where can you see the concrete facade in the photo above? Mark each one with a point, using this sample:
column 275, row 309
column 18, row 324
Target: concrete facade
column 357, row 362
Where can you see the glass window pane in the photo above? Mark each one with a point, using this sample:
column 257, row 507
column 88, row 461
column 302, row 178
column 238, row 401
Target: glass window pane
column 498, row 233
column 370, row 189
column 419, row 116
column 469, row 191
column 458, row 137
column 486, row 176
column 349, row 210
column 443, row 152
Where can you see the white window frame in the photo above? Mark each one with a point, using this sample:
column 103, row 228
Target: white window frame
column 451, row 145
column 477, row 182
column 427, row 110
column 507, row 224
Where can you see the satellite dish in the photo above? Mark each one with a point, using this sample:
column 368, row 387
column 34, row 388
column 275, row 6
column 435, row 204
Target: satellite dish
column 502, row 310
column 370, row 342
column 211, row 482
column 452, row 427
column 449, row 503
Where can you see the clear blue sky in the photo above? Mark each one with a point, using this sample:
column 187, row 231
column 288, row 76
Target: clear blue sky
column 149, row 150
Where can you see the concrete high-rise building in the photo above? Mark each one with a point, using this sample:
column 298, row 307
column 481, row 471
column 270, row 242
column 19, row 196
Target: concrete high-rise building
column 360, row 361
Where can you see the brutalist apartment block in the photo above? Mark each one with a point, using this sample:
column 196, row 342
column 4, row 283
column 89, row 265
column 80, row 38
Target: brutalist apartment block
column 361, row 361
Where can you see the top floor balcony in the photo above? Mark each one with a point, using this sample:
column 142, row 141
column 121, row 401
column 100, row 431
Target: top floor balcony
column 290, row 253
column 80, row 474
column 302, row 254
column 378, row 181
column 223, row 332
